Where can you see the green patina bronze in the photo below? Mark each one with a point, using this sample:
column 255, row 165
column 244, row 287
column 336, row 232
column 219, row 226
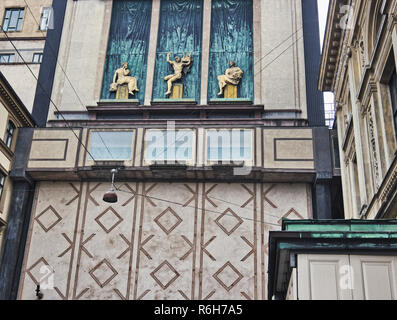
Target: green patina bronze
column 231, row 40
column 128, row 42
column 180, row 31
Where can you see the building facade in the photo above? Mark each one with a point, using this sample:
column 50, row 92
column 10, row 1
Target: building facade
column 202, row 175
column 358, row 65
column 24, row 31
column 13, row 115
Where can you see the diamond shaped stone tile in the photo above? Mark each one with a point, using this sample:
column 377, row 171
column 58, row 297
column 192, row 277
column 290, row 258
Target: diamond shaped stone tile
column 168, row 220
column 109, row 219
column 228, row 276
column 34, row 270
column 229, row 221
column 103, row 273
column 165, row 274
column 48, row 218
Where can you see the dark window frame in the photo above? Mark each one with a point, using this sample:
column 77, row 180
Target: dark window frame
column 37, row 54
column 2, row 183
column 7, row 55
column 8, row 12
column 10, row 132
column 45, row 18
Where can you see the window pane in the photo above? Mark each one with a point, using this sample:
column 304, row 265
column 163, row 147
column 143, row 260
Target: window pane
column 2, row 181
column 14, row 20
column 19, row 26
column 229, row 145
column 111, row 145
column 45, row 17
column 9, row 134
column 163, row 145
column 37, row 57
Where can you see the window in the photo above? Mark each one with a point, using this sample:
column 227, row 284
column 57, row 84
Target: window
column 9, row 134
column 335, row 145
column 7, row 58
column 2, row 182
column 393, row 93
column 229, row 145
column 111, row 145
column 45, row 18
column 169, row 145
column 38, row 57
column 13, row 19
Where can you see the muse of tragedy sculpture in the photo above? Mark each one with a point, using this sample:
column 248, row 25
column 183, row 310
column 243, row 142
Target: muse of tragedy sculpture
column 232, row 76
column 179, row 65
column 122, row 77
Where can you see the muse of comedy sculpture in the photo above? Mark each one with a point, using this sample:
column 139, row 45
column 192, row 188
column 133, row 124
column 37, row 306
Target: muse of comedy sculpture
column 122, row 77
column 232, row 77
column 179, row 65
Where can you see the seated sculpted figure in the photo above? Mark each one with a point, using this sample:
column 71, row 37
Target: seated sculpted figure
column 233, row 75
column 122, row 76
column 178, row 65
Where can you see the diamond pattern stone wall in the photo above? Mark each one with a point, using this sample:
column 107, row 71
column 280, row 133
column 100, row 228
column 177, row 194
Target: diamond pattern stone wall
column 196, row 241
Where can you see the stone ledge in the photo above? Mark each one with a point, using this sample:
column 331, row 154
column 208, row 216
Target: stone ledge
column 173, row 101
column 230, row 101
column 118, row 101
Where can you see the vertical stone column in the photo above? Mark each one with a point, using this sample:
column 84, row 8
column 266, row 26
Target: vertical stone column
column 154, row 26
column 18, row 220
column 357, row 128
column 205, row 51
column 324, row 167
column 394, row 39
column 343, row 168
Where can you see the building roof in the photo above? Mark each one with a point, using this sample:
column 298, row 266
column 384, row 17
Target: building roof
column 332, row 46
column 324, row 237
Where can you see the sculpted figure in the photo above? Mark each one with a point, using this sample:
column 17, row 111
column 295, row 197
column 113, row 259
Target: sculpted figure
column 122, row 76
column 178, row 65
column 233, row 75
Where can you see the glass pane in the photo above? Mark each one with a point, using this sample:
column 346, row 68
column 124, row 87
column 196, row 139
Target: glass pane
column 19, row 26
column 229, row 145
column 13, row 20
column 111, row 145
column 5, row 24
column 163, row 145
column 8, row 14
column 11, row 58
column 45, row 19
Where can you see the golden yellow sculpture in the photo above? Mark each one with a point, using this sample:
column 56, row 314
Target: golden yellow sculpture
column 232, row 76
column 122, row 77
column 179, row 66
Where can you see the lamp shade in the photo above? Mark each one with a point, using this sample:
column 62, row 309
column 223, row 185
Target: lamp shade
column 110, row 197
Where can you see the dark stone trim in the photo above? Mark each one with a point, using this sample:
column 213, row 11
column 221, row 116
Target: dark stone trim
column 18, row 219
column 322, row 188
column 41, row 103
column 315, row 99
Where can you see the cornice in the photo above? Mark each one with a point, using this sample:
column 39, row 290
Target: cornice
column 332, row 46
column 14, row 104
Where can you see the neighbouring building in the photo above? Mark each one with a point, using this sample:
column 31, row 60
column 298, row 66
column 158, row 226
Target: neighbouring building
column 13, row 115
column 359, row 66
column 24, row 26
column 351, row 259
column 333, row 260
column 204, row 171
